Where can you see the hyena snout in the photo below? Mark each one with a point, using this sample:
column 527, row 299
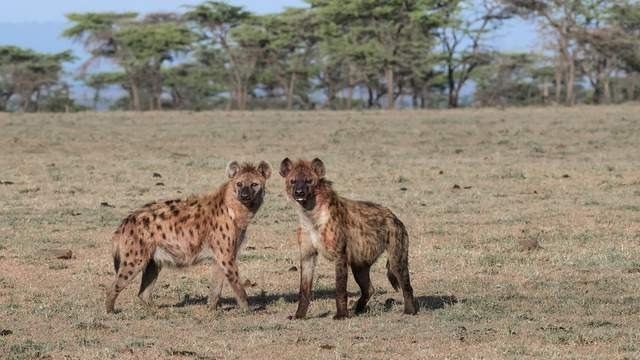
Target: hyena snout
column 245, row 194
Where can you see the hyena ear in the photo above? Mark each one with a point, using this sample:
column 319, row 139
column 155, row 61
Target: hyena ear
column 285, row 167
column 265, row 169
column 318, row 166
column 232, row 169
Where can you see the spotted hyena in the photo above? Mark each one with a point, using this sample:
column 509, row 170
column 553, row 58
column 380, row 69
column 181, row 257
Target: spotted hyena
column 350, row 233
column 185, row 232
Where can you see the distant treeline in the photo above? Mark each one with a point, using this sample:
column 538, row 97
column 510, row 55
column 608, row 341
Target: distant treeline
column 338, row 54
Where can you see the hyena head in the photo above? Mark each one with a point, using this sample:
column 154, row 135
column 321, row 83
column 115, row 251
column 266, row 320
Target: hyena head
column 248, row 181
column 301, row 180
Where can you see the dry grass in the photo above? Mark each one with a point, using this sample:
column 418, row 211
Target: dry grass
column 477, row 189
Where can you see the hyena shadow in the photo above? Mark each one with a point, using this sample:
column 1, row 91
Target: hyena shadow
column 435, row 302
column 262, row 300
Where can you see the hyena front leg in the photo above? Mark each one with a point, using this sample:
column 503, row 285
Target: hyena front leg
column 308, row 257
column 342, row 275
column 149, row 277
column 231, row 273
column 361, row 275
column 217, row 282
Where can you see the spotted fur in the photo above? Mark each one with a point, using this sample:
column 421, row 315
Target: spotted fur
column 184, row 232
column 347, row 232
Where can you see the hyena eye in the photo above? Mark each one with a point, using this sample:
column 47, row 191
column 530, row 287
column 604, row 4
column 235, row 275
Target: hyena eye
column 292, row 181
column 308, row 181
column 239, row 184
column 254, row 185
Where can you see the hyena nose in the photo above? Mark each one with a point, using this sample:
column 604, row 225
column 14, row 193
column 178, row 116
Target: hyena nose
column 245, row 194
column 298, row 192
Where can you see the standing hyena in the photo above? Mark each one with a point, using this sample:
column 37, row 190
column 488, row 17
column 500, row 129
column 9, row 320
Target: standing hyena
column 348, row 232
column 185, row 232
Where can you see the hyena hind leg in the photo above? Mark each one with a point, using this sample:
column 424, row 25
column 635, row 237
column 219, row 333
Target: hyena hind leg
column 361, row 275
column 149, row 277
column 401, row 273
column 125, row 274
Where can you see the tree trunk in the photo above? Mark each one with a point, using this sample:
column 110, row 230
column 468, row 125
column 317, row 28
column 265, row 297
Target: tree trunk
column 292, row 83
column 545, row 90
column 349, row 97
column 370, row 101
column 96, row 99
column 388, row 76
column 135, row 93
column 558, row 81
column 571, row 78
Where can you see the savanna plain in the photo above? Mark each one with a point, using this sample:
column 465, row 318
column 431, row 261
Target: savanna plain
column 524, row 230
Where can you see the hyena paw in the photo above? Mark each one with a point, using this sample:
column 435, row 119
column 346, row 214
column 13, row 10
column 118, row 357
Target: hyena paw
column 340, row 316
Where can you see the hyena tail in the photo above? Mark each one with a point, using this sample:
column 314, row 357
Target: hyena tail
column 398, row 264
column 116, row 255
column 398, row 254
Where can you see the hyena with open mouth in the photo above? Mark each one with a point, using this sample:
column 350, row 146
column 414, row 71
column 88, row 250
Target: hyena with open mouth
column 347, row 232
column 185, row 232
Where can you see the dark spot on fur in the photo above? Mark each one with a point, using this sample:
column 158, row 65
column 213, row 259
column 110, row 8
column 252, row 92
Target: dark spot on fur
column 164, row 237
column 131, row 232
column 159, row 227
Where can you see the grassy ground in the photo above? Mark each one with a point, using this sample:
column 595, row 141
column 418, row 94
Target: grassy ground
column 472, row 186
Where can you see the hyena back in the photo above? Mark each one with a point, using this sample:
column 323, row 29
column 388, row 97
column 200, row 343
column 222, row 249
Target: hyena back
column 186, row 232
column 350, row 233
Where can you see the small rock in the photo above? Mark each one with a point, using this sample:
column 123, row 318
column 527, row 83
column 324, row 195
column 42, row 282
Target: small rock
column 106, row 204
column 459, row 151
column 326, row 347
column 6, row 182
column 62, row 253
column 157, row 175
column 441, row 172
column 529, row 244
column 5, row 332
column 403, row 189
column 159, row 184
column 249, row 283
column 456, row 187
column 566, row 176
column 467, row 187
column 293, row 268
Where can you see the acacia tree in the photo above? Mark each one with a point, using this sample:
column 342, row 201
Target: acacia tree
column 463, row 40
column 227, row 28
column 379, row 28
column 139, row 47
column 290, row 51
column 30, row 76
column 566, row 22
